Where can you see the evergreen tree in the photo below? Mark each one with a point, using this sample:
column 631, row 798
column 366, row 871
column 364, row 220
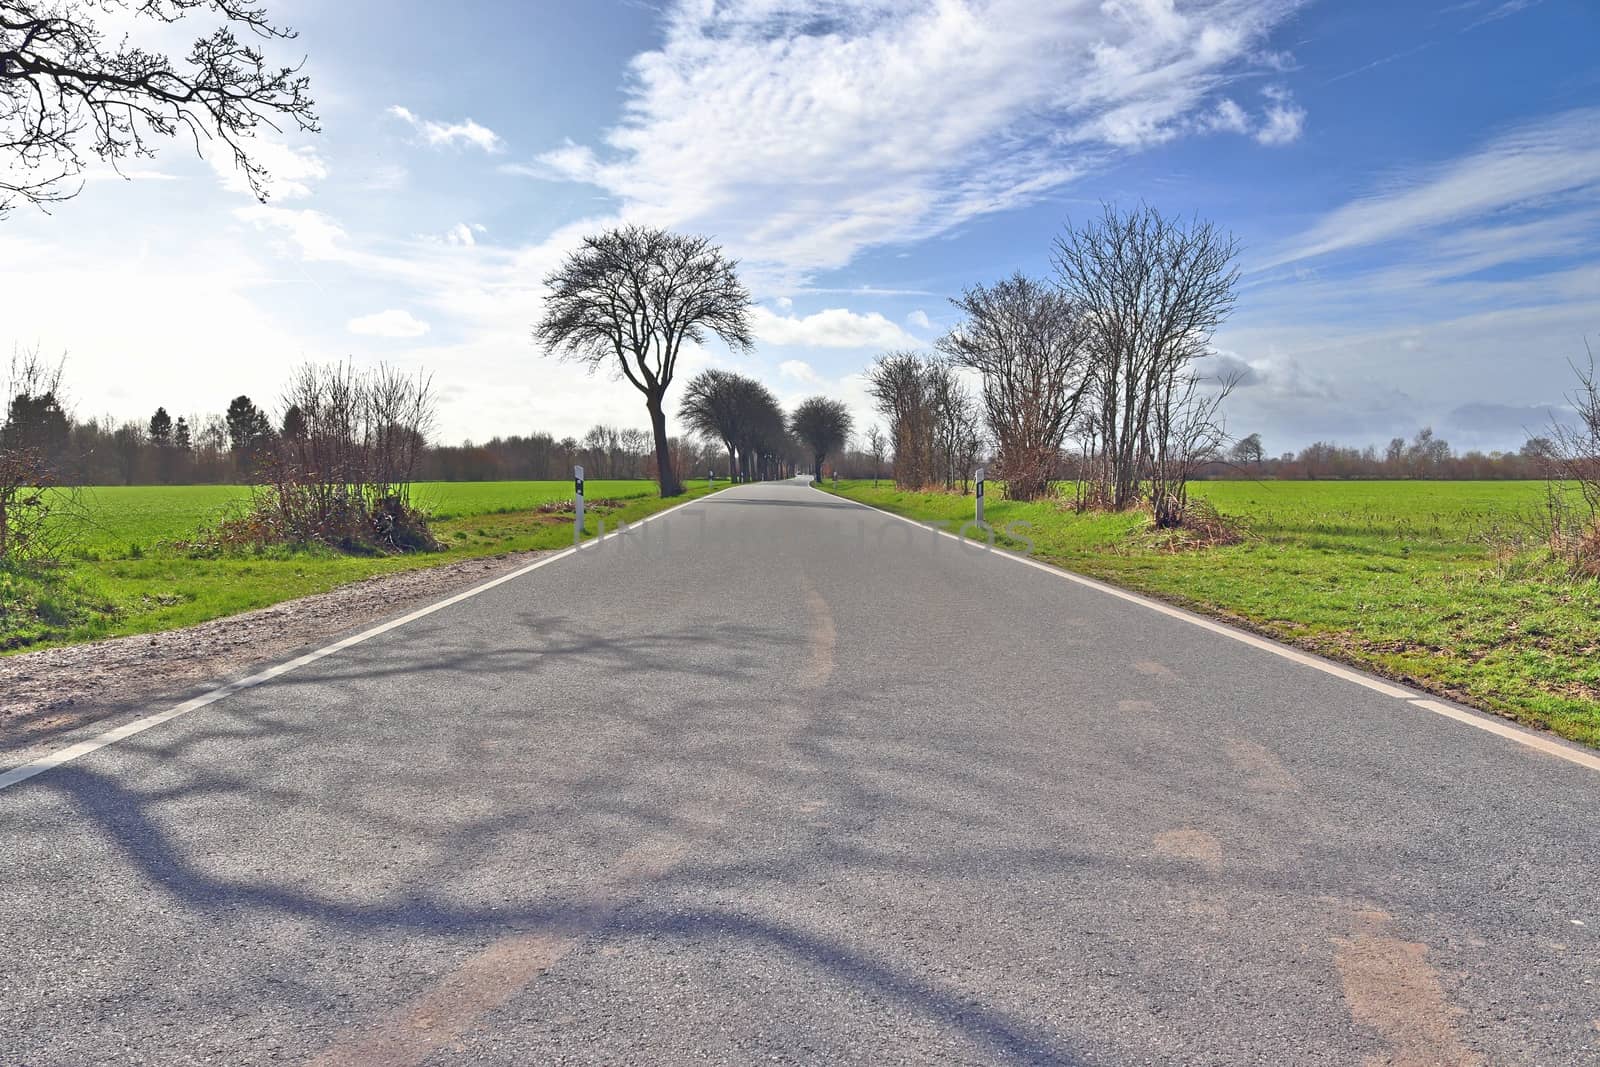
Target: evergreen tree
column 161, row 428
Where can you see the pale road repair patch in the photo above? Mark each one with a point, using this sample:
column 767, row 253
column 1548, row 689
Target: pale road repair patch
column 492, row 976
column 1389, row 987
column 1193, row 846
column 822, row 641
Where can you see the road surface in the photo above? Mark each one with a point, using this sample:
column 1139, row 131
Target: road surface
column 780, row 778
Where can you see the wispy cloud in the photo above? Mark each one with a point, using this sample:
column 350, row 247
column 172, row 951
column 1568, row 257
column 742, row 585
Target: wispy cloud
column 465, row 133
column 1378, row 63
column 877, row 121
column 292, row 171
column 1500, row 11
column 1552, row 158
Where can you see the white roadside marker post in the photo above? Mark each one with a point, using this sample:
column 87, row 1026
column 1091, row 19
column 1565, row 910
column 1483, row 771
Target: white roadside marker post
column 711, row 479
column 978, row 478
column 577, row 490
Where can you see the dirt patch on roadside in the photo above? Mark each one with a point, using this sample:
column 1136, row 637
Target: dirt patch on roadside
column 46, row 693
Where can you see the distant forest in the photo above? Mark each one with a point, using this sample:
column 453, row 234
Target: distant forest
column 226, row 448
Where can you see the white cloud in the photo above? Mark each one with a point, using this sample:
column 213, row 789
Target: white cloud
column 798, row 370
column 1284, row 119
column 1558, row 156
column 314, row 235
column 1281, row 122
column 463, row 234
column 291, row 170
column 919, row 319
column 831, row 328
column 1229, row 117
column 808, row 130
column 443, row 135
column 391, row 323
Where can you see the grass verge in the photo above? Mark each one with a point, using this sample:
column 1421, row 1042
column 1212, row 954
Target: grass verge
column 1401, row 578
column 125, row 577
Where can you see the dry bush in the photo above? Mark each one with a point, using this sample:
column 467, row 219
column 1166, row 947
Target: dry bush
column 341, row 474
column 1202, row 526
column 32, row 435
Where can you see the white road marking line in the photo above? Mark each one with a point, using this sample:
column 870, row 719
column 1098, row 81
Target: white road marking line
column 53, row 760
column 1481, row 721
column 1516, row 733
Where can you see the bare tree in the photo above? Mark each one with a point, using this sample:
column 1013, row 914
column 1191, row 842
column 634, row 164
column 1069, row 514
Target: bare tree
column 823, row 426
column 66, row 91
column 629, row 298
column 742, row 415
column 877, row 445
column 899, row 384
column 934, row 425
column 710, row 408
column 763, row 433
column 1152, row 290
column 1187, row 433
column 1248, row 450
column 957, row 425
column 1572, row 451
column 1028, row 342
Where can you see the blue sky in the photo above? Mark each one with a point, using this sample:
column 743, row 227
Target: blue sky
column 1416, row 186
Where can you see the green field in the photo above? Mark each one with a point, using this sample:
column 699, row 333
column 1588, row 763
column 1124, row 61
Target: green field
column 125, row 575
column 1419, row 581
column 118, row 521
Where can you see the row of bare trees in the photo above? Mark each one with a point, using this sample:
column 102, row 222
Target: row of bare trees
column 1105, row 354
column 743, row 416
column 935, row 428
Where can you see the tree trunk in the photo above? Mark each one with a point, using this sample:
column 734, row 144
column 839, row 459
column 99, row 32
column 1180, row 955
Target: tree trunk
column 670, row 486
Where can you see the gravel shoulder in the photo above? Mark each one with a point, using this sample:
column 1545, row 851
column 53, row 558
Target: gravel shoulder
column 46, row 694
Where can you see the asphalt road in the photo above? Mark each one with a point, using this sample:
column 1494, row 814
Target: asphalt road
column 778, row 778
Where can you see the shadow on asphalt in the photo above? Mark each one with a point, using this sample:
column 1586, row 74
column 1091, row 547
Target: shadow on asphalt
column 778, row 502
column 677, row 743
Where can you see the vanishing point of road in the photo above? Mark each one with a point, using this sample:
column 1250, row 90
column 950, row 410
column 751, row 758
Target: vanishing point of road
column 779, row 778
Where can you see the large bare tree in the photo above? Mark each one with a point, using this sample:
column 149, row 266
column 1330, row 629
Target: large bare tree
column 1028, row 342
column 67, row 92
column 1152, row 289
column 629, row 298
column 823, row 426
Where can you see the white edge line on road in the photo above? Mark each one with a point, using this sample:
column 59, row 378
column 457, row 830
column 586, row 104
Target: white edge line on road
column 52, row 760
column 1482, row 721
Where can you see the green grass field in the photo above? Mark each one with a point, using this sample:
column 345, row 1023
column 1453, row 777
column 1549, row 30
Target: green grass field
column 111, row 522
column 124, row 574
column 1414, row 580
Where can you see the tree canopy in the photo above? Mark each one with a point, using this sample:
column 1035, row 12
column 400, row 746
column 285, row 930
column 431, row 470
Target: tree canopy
column 68, row 92
column 629, row 298
column 823, row 426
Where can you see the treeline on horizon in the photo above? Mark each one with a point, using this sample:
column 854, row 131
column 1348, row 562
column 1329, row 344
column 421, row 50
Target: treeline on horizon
column 232, row 448
column 220, row 449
